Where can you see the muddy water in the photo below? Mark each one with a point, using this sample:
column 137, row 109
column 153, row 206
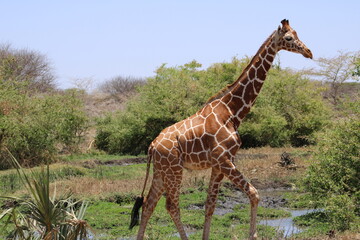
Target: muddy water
column 270, row 198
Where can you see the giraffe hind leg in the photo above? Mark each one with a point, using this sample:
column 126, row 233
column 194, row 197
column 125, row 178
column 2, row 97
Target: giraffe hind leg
column 172, row 186
column 156, row 191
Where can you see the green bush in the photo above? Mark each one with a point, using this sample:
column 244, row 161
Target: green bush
column 264, row 126
column 288, row 111
column 35, row 127
column 333, row 180
column 172, row 95
column 340, row 211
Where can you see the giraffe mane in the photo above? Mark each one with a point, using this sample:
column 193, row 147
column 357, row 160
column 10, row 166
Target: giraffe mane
column 229, row 87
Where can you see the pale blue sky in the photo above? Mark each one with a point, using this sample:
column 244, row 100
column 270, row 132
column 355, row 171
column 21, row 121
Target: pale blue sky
column 104, row 39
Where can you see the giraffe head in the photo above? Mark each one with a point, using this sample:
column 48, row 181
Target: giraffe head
column 287, row 39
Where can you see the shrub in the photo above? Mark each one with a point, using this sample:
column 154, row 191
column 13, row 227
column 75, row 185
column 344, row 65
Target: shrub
column 333, row 180
column 340, row 211
column 35, row 127
column 173, row 94
column 264, row 126
column 289, row 110
column 338, row 163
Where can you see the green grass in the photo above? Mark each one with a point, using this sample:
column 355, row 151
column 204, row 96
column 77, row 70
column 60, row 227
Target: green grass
column 117, row 172
column 300, row 200
column 10, row 181
column 92, row 156
column 111, row 220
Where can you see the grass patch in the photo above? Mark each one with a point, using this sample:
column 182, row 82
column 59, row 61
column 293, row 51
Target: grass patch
column 317, row 223
column 300, row 200
column 118, row 172
column 10, row 181
column 73, row 158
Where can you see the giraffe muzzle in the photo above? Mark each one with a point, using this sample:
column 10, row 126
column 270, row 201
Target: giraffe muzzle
column 307, row 53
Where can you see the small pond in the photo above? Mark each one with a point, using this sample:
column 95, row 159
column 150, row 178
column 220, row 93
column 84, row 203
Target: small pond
column 286, row 225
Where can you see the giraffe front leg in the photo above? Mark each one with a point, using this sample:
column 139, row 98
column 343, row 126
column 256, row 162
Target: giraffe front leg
column 254, row 201
column 213, row 191
column 238, row 179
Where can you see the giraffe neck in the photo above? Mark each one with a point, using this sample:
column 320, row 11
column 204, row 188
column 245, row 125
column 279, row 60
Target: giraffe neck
column 241, row 95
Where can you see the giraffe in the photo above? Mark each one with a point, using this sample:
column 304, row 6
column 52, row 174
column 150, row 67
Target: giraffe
column 209, row 139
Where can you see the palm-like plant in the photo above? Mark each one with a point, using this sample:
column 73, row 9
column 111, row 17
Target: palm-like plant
column 42, row 216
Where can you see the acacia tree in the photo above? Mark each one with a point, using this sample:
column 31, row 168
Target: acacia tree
column 337, row 70
column 121, row 87
column 26, row 67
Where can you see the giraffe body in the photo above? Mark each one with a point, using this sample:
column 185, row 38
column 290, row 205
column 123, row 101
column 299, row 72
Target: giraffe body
column 209, row 139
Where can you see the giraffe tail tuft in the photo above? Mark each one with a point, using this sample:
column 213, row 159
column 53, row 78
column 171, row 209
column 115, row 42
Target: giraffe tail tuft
column 135, row 212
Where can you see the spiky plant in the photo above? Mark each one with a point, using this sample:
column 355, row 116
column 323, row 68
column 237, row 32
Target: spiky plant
column 42, row 216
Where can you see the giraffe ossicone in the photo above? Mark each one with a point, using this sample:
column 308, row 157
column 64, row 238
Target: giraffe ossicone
column 209, row 139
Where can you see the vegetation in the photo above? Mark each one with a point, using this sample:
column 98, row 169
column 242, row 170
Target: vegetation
column 336, row 71
column 288, row 111
column 35, row 127
column 120, row 87
column 42, row 216
column 356, row 71
column 167, row 98
column 333, row 180
column 27, row 67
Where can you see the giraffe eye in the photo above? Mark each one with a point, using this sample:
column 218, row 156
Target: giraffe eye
column 288, row 38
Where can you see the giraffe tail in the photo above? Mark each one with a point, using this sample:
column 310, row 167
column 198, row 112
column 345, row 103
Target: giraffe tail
column 135, row 215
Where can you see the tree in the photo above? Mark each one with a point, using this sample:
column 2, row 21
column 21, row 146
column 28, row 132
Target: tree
column 336, row 70
column 121, row 87
column 26, row 67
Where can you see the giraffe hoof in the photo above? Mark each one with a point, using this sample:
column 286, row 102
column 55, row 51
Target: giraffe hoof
column 253, row 236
